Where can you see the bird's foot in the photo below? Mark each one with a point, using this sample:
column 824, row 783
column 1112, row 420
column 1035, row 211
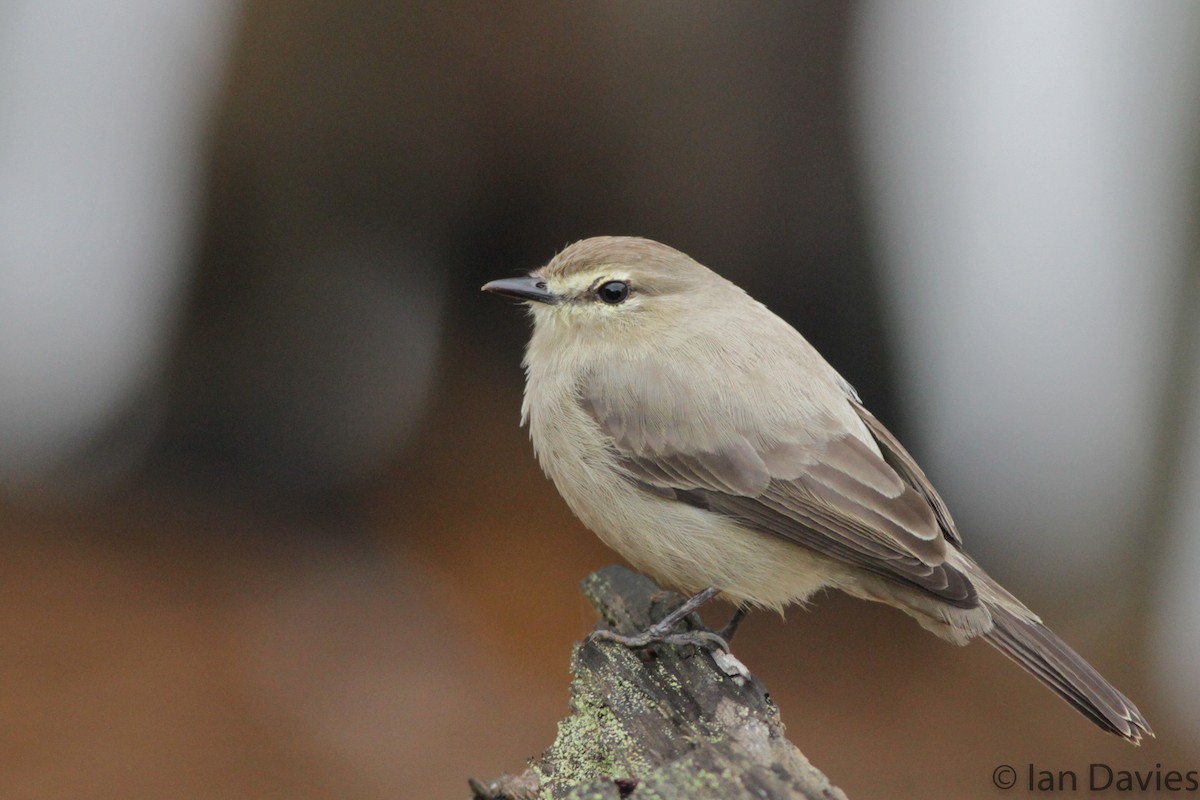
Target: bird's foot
column 663, row 632
column 656, row 634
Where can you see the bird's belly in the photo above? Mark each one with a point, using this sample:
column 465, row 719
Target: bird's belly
column 691, row 549
column 684, row 547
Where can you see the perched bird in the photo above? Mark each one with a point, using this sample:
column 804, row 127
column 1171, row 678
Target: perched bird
column 705, row 440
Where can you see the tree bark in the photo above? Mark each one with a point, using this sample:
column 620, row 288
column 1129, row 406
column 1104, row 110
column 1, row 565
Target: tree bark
column 664, row 722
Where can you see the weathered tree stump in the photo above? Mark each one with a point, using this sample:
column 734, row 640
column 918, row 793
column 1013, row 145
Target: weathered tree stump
column 665, row 722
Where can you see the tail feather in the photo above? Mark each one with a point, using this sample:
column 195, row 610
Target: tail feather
column 1048, row 658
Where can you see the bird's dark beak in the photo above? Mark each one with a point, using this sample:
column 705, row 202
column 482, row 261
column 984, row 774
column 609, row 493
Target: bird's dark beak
column 522, row 289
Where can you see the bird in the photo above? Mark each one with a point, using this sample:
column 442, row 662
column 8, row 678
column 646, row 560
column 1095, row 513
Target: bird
column 702, row 437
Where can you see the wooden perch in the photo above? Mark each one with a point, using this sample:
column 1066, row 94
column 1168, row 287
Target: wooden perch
column 666, row 723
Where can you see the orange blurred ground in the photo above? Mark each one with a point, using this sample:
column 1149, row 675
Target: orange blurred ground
column 156, row 645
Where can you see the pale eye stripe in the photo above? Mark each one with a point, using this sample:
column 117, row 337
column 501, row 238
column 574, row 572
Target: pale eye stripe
column 583, row 287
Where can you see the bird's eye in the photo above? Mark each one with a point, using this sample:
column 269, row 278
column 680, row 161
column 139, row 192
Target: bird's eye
column 613, row 292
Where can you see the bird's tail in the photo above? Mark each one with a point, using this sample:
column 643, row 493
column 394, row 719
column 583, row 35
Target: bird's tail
column 1048, row 658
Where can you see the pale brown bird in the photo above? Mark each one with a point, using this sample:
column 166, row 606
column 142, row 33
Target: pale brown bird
column 705, row 440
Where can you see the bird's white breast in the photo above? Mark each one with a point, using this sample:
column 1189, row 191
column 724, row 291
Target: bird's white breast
column 682, row 546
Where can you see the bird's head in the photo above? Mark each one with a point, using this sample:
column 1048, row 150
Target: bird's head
column 614, row 287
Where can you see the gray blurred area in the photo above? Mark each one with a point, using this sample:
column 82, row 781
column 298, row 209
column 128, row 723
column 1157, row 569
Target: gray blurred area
column 371, row 168
column 269, row 527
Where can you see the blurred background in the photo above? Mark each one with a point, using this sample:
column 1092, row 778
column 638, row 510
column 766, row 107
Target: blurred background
column 268, row 525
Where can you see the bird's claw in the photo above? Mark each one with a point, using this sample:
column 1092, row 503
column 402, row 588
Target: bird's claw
column 663, row 631
column 656, row 635
column 700, row 639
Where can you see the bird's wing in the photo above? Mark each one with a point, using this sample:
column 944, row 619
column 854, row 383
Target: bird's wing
column 899, row 459
column 813, row 483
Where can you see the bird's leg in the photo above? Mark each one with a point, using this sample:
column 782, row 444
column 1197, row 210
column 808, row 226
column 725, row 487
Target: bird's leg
column 731, row 627
column 694, row 602
column 661, row 631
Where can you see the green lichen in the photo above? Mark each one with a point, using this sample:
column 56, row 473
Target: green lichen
column 591, row 744
column 684, row 778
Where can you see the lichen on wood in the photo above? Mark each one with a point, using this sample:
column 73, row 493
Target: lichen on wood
column 661, row 723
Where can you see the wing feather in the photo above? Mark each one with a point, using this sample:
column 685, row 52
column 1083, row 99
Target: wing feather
column 904, row 464
column 814, row 483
